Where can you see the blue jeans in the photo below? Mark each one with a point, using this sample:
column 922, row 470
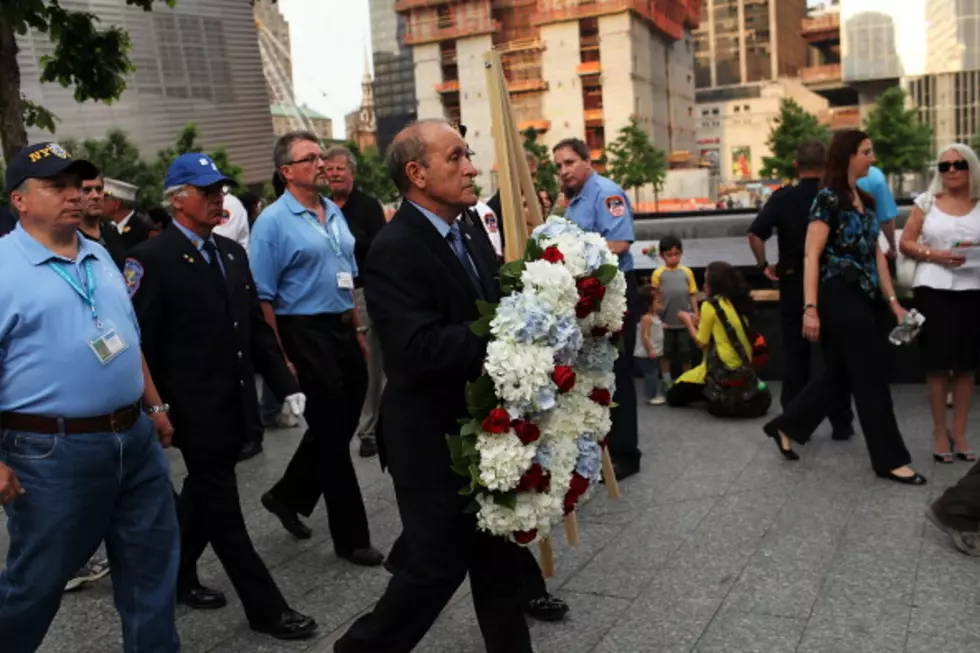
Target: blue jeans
column 651, row 376
column 81, row 490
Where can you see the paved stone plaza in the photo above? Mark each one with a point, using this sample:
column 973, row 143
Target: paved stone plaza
column 718, row 546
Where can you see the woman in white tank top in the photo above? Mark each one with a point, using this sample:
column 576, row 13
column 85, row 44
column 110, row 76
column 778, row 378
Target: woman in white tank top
column 947, row 292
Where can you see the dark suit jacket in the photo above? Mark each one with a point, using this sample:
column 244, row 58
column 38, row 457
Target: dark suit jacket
column 365, row 217
column 7, row 220
column 112, row 241
column 135, row 232
column 200, row 339
column 422, row 302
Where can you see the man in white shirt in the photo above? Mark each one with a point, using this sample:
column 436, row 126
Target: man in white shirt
column 236, row 226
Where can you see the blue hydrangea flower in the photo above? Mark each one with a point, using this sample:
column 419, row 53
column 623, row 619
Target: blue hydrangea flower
column 589, row 459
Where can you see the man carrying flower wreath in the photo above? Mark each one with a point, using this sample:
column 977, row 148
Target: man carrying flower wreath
column 424, row 274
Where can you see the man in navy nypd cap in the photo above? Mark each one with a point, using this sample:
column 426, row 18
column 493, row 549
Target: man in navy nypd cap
column 204, row 337
column 80, row 460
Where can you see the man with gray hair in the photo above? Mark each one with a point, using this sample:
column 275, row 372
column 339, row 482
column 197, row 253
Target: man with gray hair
column 365, row 218
column 424, row 274
column 302, row 256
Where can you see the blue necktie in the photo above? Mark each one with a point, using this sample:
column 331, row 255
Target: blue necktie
column 455, row 238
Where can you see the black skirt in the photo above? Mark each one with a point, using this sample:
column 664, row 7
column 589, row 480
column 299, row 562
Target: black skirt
column 950, row 338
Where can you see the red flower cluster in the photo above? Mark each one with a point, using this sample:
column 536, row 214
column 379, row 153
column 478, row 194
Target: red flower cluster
column 498, row 421
column 601, row 396
column 535, row 478
column 590, row 293
column 578, row 487
column 564, row 378
column 552, row 255
column 526, row 537
column 526, row 431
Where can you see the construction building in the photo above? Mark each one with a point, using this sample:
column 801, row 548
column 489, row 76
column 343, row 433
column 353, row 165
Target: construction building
column 290, row 117
column 824, row 74
column 575, row 68
column 394, row 77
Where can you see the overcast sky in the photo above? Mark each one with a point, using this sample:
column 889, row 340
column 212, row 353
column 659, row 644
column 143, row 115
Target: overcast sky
column 329, row 41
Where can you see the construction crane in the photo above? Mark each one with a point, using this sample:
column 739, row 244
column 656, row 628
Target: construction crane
column 274, row 58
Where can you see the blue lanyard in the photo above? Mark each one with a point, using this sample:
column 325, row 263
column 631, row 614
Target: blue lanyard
column 332, row 234
column 88, row 293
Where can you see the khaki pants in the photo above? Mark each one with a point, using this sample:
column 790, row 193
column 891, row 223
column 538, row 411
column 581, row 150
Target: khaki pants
column 376, row 375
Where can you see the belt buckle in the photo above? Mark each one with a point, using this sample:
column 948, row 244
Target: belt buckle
column 112, row 422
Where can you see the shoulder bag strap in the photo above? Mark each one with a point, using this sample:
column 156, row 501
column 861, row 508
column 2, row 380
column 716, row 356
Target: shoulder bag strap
column 730, row 332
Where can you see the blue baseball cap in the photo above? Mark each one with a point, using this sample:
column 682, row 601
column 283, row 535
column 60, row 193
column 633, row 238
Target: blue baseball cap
column 195, row 169
column 45, row 160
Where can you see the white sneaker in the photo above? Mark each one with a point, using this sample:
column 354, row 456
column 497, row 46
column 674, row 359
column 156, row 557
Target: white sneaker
column 659, row 400
column 94, row 569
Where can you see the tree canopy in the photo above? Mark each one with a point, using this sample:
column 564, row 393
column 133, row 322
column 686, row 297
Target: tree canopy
column 792, row 126
column 372, row 175
column 634, row 161
column 901, row 143
column 547, row 177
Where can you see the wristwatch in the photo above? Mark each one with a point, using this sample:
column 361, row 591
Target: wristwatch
column 807, row 307
column 363, row 329
column 158, row 408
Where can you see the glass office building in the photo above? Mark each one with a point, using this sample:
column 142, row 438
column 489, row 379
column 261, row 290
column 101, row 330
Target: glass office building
column 196, row 63
column 394, row 72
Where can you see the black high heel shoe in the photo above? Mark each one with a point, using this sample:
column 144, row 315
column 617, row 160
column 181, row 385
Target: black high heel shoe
column 914, row 479
column 773, row 433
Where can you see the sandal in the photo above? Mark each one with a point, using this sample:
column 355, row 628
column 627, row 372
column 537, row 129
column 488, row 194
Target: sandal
column 965, row 456
column 944, row 458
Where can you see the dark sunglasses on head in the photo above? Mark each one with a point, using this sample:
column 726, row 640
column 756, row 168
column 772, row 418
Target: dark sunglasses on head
column 946, row 166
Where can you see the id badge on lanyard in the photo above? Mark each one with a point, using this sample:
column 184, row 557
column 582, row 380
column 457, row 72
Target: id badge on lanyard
column 109, row 343
column 345, row 280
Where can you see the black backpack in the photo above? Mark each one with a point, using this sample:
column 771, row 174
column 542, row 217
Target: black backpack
column 733, row 392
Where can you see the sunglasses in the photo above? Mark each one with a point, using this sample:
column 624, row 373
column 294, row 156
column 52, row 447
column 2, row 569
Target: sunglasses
column 946, row 166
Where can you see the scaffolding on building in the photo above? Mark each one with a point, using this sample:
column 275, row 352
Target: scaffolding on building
column 275, row 56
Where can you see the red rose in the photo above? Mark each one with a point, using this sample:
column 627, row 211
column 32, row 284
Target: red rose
column 564, row 378
column 526, row 431
column 526, row 537
column 584, row 308
column 602, row 442
column 599, row 331
column 552, row 255
column 535, row 478
column 579, row 485
column 601, row 396
column 590, row 288
column 498, row 421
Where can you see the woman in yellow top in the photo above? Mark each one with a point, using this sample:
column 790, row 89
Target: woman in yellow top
column 725, row 285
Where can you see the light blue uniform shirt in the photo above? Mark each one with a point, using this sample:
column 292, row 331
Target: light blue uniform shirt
column 198, row 244
column 295, row 260
column 602, row 207
column 46, row 364
column 875, row 184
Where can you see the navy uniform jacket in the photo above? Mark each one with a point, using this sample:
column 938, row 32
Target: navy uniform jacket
column 135, row 232
column 204, row 342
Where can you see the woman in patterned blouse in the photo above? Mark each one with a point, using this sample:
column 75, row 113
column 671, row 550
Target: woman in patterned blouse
column 846, row 282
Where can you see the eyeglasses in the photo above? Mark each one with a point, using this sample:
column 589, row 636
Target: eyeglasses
column 946, row 166
column 308, row 159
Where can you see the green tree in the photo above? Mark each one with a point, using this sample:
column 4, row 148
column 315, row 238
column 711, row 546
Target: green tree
column 902, row 144
column 547, row 177
column 118, row 157
column 91, row 60
column 372, row 174
column 792, row 126
column 634, row 161
column 186, row 142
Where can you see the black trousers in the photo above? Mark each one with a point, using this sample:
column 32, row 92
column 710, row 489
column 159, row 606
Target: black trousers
column 624, row 437
column 333, row 376
column 856, row 355
column 798, row 356
column 210, row 512
column 443, row 545
column 528, row 569
column 959, row 505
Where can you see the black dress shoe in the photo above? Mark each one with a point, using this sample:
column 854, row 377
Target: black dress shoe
column 366, row 557
column 625, row 469
column 289, row 625
column 369, row 446
column 772, row 432
column 290, row 520
column 199, row 597
column 914, row 479
column 546, row 608
column 250, row 450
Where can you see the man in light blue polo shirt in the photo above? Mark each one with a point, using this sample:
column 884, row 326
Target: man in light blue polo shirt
column 599, row 205
column 875, row 183
column 79, row 460
column 302, row 256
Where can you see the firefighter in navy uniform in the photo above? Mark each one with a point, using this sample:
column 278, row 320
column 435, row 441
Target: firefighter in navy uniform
column 119, row 207
column 202, row 330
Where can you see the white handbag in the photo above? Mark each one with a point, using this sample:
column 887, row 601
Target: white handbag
column 905, row 267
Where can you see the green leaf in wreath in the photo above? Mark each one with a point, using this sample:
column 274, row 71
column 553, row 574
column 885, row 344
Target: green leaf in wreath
column 533, row 251
column 481, row 327
column 470, row 427
column 480, row 397
column 606, row 273
column 486, row 308
column 468, row 446
column 506, row 499
column 472, row 507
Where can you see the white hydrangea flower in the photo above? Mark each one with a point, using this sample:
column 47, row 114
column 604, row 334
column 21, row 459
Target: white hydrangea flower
column 610, row 314
column 552, row 284
column 521, row 373
column 503, row 460
column 534, row 511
